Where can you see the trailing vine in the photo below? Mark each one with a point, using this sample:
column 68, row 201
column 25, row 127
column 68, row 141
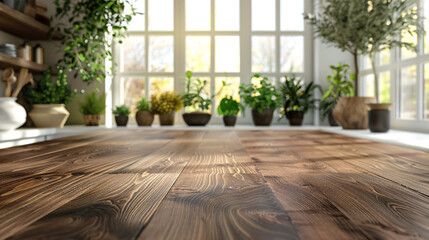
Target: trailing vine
column 89, row 27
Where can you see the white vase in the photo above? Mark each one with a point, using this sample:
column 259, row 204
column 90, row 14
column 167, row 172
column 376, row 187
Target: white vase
column 49, row 115
column 12, row 115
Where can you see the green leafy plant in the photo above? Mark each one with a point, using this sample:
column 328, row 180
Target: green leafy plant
column 262, row 96
column 122, row 110
column 93, row 104
column 229, row 107
column 166, row 103
column 143, row 105
column 87, row 37
column 296, row 96
column 48, row 92
column 195, row 97
column 341, row 86
column 357, row 26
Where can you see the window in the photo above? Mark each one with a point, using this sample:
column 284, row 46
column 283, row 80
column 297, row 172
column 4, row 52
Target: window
column 220, row 41
column 404, row 78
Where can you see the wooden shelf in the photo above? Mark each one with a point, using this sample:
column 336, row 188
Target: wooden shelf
column 16, row 63
column 24, row 26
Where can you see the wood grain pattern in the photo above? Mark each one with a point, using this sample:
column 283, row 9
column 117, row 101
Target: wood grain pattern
column 261, row 184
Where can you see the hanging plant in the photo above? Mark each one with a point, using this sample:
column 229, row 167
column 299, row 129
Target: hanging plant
column 87, row 39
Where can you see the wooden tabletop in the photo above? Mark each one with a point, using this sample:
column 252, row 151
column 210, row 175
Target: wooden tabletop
column 160, row 184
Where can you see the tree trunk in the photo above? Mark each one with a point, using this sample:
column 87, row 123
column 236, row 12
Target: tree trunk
column 356, row 60
column 374, row 71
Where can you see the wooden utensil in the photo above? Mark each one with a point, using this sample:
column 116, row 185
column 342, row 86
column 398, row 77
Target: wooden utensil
column 23, row 79
column 8, row 78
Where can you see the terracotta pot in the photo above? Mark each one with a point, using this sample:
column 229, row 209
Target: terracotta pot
column 295, row 118
column 49, row 115
column 262, row 119
column 229, row 121
column 121, row 121
column 196, row 118
column 92, row 120
column 12, row 115
column 144, row 118
column 167, row 119
column 379, row 117
column 352, row 112
column 332, row 121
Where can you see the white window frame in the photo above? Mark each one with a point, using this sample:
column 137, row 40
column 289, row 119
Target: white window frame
column 394, row 67
column 114, row 85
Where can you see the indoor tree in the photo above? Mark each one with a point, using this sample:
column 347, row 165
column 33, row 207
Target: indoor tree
column 392, row 23
column 365, row 27
column 91, row 26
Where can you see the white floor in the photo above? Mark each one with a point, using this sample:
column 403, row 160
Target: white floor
column 27, row 136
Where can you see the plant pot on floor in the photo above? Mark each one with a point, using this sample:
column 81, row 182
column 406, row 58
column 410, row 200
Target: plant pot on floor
column 195, row 119
column 92, row 120
column 121, row 121
column 332, row 121
column 264, row 118
column 352, row 112
column 379, row 117
column 144, row 118
column 229, row 121
column 49, row 115
column 12, row 115
column 295, row 118
column 167, row 119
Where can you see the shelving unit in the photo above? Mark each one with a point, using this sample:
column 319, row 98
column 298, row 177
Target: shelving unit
column 21, row 25
column 16, row 63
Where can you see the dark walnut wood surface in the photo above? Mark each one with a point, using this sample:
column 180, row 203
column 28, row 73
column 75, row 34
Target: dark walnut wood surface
column 160, row 184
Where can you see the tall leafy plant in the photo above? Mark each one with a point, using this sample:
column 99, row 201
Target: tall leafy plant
column 88, row 32
column 260, row 96
column 297, row 96
column 387, row 21
column 93, row 104
column 365, row 26
column 195, row 97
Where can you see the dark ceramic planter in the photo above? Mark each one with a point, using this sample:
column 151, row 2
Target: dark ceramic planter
column 295, row 118
column 229, row 121
column 196, row 119
column 262, row 119
column 332, row 121
column 121, row 121
column 144, row 118
column 379, row 117
column 167, row 119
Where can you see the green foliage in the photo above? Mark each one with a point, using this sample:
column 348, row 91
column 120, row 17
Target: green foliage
column 194, row 96
column 364, row 26
column 48, row 92
column 87, row 45
column 229, row 107
column 122, row 110
column 166, row 103
column 143, row 105
column 260, row 97
column 296, row 96
column 93, row 104
column 341, row 86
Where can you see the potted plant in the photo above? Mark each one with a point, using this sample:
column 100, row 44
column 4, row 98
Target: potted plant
column 297, row 99
column 92, row 108
column 229, row 109
column 389, row 19
column 121, row 115
column 196, row 101
column 262, row 98
column 165, row 105
column 144, row 116
column 342, row 23
column 341, row 86
column 49, row 99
